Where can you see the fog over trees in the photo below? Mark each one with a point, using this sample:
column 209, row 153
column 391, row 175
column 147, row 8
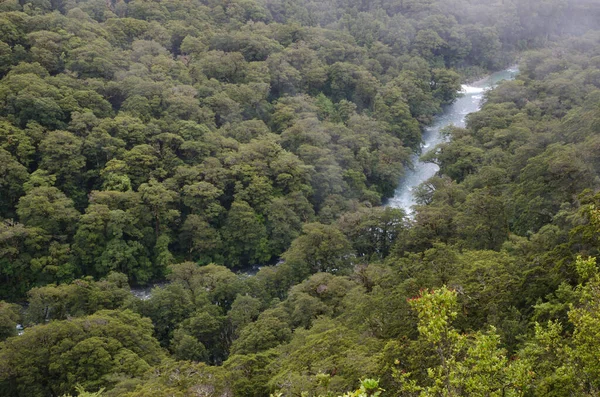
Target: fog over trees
column 184, row 144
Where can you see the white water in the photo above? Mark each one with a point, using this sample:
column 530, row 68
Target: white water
column 454, row 114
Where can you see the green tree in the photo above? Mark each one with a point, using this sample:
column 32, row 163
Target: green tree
column 372, row 232
column 159, row 202
column 445, row 85
column 12, row 177
column 87, row 351
column 321, row 248
column 10, row 316
column 466, row 365
column 49, row 209
column 167, row 307
column 246, row 236
column 269, row 330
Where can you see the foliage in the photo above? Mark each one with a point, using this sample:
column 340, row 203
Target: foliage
column 233, row 157
column 467, row 365
column 135, row 136
column 92, row 351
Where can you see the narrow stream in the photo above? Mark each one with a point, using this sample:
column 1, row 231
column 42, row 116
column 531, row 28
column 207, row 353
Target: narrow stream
column 453, row 114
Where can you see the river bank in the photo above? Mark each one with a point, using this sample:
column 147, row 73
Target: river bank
column 455, row 114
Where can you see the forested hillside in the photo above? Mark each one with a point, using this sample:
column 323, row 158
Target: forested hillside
column 182, row 142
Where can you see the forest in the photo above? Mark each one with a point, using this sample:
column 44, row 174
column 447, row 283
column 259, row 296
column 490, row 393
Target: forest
column 235, row 158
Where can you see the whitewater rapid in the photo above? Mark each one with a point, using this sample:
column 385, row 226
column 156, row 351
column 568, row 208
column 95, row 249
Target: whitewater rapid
column 455, row 114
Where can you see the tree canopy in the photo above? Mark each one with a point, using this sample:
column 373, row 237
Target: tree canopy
column 233, row 158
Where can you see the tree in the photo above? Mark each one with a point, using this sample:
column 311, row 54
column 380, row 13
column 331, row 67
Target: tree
column 538, row 199
column 269, row 330
column 391, row 105
column 158, row 199
column 201, row 242
column 248, row 373
column 327, row 348
column 18, row 246
column 17, row 142
column 111, row 239
column 186, row 347
column 445, row 85
column 96, row 58
column 483, row 221
column 141, row 161
column 10, row 316
column 202, row 199
column 586, row 319
column 466, row 365
column 230, row 67
column 566, row 362
column 5, row 57
column 197, row 378
column 244, row 310
column 373, row 231
column 49, row 209
column 82, row 393
column 167, row 307
column 320, row 248
column 285, row 216
column 204, row 332
column 246, row 236
column 217, row 284
column 78, row 298
column 428, row 43
column 12, row 177
column 88, row 351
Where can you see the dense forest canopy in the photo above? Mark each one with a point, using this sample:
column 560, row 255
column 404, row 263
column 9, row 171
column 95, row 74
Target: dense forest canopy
column 140, row 134
column 183, row 141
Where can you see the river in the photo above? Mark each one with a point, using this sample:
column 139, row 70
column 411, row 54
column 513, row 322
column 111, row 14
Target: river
column 455, row 114
column 470, row 101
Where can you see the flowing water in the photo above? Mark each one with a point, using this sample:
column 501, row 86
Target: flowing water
column 454, row 114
